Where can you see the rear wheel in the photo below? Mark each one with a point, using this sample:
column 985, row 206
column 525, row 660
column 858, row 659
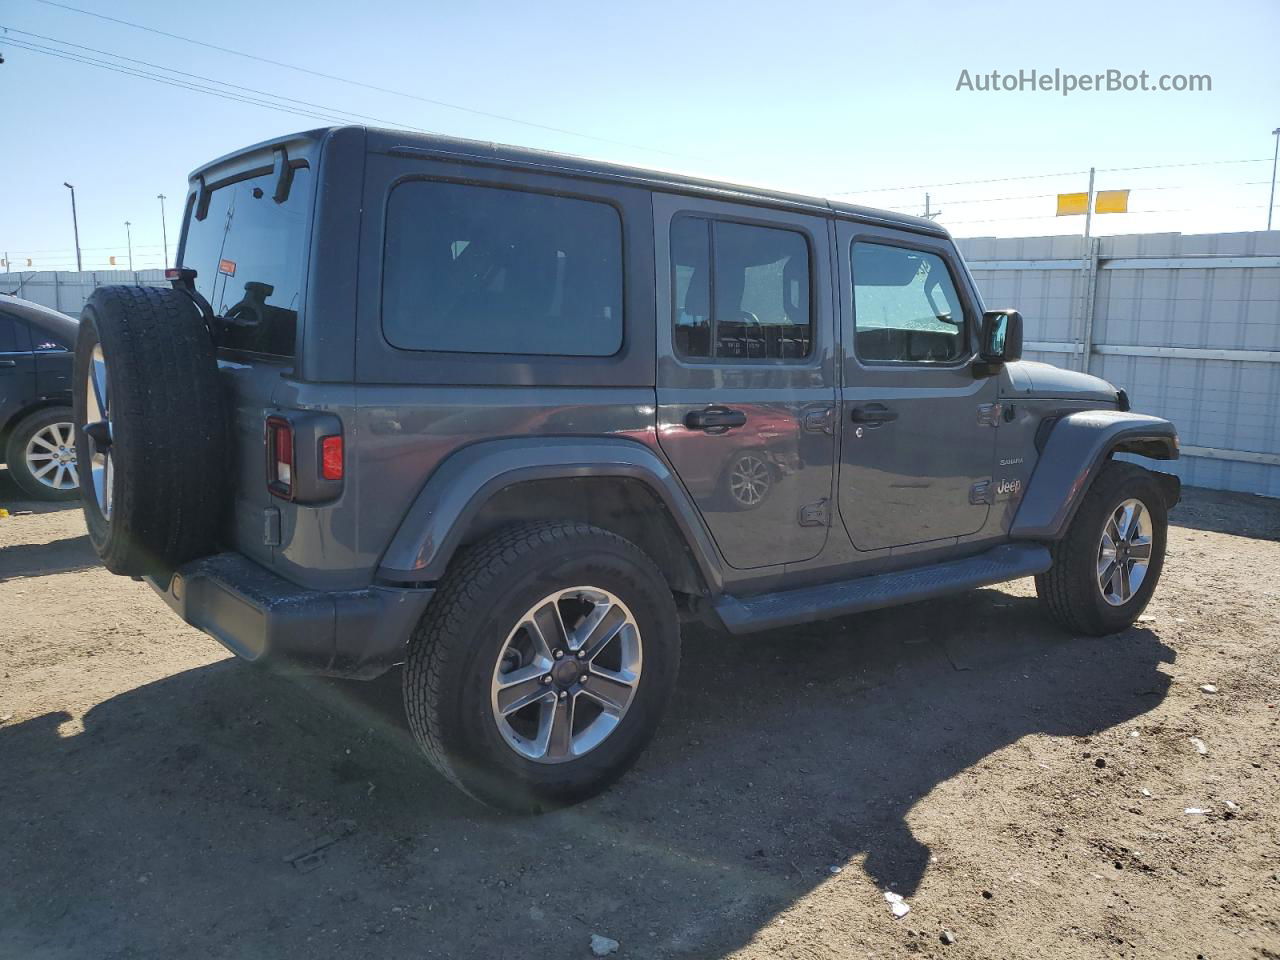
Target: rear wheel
column 1106, row 568
column 542, row 665
column 41, row 454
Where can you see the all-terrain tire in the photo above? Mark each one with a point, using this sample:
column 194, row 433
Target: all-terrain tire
column 169, row 448
column 1069, row 590
column 456, row 646
column 16, row 454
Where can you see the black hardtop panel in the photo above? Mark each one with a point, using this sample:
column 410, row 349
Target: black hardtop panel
column 404, row 142
column 259, row 156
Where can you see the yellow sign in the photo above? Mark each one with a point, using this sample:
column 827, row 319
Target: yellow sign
column 1111, row 201
column 1070, row 204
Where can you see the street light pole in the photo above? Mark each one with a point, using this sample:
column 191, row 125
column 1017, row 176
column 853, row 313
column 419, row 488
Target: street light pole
column 164, row 230
column 75, row 224
column 1274, row 157
column 129, row 239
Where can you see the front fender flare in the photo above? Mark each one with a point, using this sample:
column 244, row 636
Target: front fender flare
column 438, row 520
column 1077, row 447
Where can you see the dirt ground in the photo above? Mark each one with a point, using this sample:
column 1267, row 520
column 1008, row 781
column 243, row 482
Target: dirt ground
column 1025, row 790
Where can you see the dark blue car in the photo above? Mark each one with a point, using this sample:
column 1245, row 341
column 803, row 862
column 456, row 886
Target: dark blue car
column 37, row 437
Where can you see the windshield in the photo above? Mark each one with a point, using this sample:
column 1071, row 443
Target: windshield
column 249, row 254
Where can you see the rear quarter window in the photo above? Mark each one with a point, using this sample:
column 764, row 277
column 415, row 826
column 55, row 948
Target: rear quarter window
column 471, row 269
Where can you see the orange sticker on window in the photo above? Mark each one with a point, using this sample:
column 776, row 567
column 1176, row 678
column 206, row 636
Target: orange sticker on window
column 228, row 267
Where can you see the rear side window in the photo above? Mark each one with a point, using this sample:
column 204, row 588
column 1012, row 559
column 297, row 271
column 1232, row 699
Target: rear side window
column 9, row 335
column 472, row 269
column 741, row 291
column 249, row 254
column 46, row 341
column 905, row 307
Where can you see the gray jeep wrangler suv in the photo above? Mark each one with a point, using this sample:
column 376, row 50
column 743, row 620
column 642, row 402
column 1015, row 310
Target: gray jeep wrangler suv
column 506, row 417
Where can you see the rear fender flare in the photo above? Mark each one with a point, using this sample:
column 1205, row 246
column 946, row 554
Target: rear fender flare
column 437, row 522
column 1076, row 449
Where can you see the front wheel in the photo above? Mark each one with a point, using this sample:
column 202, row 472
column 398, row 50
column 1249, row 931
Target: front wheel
column 1106, row 567
column 542, row 665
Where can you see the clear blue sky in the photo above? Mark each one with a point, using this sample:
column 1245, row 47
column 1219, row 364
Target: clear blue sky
column 822, row 98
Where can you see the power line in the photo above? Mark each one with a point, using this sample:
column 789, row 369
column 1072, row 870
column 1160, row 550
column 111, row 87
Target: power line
column 144, row 75
column 222, row 83
column 358, row 83
column 1054, row 216
column 1170, row 166
column 954, row 183
column 1042, row 176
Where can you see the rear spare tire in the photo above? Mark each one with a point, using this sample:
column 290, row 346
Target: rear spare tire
column 151, row 429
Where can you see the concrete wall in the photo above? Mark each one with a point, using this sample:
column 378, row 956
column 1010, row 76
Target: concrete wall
column 68, row 290
column 1189, row 325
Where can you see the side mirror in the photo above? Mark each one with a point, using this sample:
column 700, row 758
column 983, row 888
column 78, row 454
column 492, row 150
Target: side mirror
column 1001, row 337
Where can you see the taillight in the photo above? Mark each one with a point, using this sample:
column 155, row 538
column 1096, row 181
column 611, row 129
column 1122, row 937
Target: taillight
column 280, row 457
column 331, row 458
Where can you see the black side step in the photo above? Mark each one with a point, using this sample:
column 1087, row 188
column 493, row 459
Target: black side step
column 768, row 611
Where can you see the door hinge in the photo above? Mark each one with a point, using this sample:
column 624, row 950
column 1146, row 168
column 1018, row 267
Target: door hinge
column 989, row 415
column 819, row 420
column 980, row 492
column 815, row 514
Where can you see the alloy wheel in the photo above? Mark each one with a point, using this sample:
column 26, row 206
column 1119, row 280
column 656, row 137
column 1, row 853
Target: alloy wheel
column 567, row 674
column 98, row 433
column 51, row 456
column 1124, row 553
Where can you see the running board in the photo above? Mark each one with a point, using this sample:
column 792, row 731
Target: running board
column 786, row 608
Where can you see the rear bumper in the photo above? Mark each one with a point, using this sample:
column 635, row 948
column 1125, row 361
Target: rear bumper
column 262, row 617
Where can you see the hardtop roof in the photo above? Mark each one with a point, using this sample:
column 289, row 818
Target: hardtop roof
column 407, row 142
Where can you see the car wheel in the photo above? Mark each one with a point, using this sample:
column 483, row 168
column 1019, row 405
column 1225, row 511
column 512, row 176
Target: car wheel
column 1106, row 567
column 542, row 665
column 41, row 454
column 150, row 429
column 748, row 481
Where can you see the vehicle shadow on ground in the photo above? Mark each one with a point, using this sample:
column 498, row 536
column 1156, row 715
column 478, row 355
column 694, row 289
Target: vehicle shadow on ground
column 40, row 559
column 164, row 826
column 14, row 499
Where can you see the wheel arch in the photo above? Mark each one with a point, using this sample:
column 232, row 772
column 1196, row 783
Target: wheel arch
column 618, row 485
column 1076, row 448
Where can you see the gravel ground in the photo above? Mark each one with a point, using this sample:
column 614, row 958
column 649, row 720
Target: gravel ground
column 1024, row 791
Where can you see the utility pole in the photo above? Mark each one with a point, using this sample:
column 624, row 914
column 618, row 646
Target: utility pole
column 930, row 215
column 75, row 224
column 1274, row 157
column 164, row 230
column 128, row 234
column 1088, row 213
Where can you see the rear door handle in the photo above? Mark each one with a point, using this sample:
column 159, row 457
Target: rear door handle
column 873, row 413
column 715, row 418
column 8, row 363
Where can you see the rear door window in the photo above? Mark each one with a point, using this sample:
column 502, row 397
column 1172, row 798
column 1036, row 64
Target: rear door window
column 741, row 291
column 471, row 269
column 249, row 254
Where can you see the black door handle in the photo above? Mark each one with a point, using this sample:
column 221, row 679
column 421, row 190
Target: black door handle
column 715, row 418
column 873, row 413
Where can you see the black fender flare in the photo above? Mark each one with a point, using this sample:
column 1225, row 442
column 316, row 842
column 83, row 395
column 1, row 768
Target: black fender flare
column 1077, row 447
column 458, row 489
